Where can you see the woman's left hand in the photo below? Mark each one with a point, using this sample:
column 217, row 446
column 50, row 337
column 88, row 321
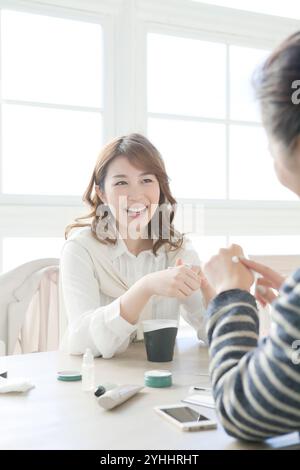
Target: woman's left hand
column 223, row 274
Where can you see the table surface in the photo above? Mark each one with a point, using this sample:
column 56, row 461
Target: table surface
column 59, row 415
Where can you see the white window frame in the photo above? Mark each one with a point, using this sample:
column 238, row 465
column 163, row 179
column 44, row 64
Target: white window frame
column 231, row 27
column 60, row 210
column 125, row 26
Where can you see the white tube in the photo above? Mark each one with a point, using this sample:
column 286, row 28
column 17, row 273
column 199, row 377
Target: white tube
column 118, row 395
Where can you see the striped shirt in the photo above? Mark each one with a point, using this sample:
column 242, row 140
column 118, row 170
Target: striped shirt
column 256, row 384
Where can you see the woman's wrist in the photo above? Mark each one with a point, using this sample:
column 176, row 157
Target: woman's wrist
column 231, row 286
column 134, row 300
column 145, row 286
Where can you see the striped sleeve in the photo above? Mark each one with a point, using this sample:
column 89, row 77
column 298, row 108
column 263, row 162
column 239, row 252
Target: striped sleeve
column 256, row 384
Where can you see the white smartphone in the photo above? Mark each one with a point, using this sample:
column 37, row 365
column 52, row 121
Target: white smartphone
column 185, row 417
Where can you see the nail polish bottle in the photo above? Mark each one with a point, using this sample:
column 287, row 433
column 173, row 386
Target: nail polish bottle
column 88, row 371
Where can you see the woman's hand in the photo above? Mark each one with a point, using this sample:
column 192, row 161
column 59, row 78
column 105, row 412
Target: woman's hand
column 223, row 274
column 207, row 291
column 179, row 281
column 270, row 280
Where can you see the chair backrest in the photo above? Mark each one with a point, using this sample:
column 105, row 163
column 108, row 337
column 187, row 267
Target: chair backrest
column 285, row 265
column 29, row 307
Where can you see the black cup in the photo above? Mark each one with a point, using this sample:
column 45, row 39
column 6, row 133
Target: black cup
column 159, row 337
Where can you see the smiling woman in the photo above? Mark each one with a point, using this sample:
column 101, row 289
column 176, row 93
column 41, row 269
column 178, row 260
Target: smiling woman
column 114, row 270
column 119, row 186
column 132, row 197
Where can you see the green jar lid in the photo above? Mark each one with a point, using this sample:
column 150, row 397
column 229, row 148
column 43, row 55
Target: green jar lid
column 69, row 375
column 158, row 378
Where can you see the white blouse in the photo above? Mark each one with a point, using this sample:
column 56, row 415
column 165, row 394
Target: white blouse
column 94, row 319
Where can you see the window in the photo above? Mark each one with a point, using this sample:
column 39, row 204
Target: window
column 242, row 64
column 75, row 74
column 213, row 135
column 288, row 8
column 51, row 126
column 251, row 173
column 17, row 251
column 52, row 100
column 186, row 77
column 55, row 150
column 269, row 245
column 207, row 246
column 193, row 141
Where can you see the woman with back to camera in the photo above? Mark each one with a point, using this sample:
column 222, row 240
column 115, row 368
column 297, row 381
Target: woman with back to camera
column 257, row 385
column 114, row 269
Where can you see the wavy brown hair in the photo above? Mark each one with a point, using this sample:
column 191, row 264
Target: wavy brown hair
column 142, row 154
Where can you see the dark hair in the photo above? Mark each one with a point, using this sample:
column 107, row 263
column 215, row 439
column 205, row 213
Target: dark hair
column 273, row 83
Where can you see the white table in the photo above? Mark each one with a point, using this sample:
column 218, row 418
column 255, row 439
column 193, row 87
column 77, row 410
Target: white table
column 59, row 415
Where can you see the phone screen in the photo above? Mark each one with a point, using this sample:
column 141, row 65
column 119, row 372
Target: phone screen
column 184, row 414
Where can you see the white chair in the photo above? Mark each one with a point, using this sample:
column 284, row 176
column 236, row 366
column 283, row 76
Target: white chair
column 285, row 265
column 29, row 307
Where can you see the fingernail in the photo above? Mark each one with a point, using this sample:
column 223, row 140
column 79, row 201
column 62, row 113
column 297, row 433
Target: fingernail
column 261, row 289
column 235, row 259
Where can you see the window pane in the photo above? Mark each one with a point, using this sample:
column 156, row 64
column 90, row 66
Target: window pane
column 17, row 251
column 50, row 59
column 243, row 63
column 268, row 245
column 48, row 151
column 186, row 76
column 194, row 154
column 252, row 175
column 288, row 8
column 207, row 246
